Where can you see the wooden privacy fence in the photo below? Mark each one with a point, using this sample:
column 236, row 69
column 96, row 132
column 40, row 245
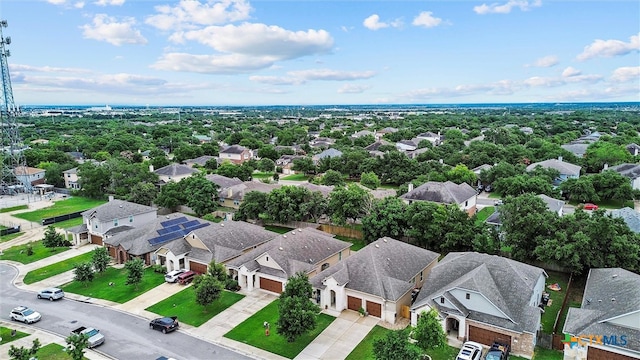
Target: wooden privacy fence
column 342, row 231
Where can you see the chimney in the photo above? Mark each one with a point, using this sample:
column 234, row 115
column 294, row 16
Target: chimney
column 441, row 161
column 151, row 168
column 229, row 192
column 559, row 158
column 606, row 166
column 110, row 197
column 410, row 187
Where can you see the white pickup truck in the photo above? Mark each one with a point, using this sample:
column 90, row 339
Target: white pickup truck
column 94, row 336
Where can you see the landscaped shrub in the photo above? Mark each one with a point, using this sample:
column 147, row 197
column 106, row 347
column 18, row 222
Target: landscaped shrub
column 159, row 268
column 231, row 285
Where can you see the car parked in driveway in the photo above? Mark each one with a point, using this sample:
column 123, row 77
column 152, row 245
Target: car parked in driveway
column 498, row 351
column 590, row 206
column 470, row 351
column 165, row 324
column 51, row 294
column 172, row 276
column 25, row 315
column 186, row 277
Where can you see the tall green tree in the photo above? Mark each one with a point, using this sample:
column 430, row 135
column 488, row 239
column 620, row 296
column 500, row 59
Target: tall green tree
column 388, row 217
column 76, row 345
column 370, row 180
column 252, row 206
column 22, row 353
column 297, row 313
column 351, row 202
column 53, row 239
column 135, row 272
column 84, row 273
column 201, row 194
column 428, row 333
column 395, row 345
column 100, row 259
column 207, row 289
column 143, row 193
column 171, row 196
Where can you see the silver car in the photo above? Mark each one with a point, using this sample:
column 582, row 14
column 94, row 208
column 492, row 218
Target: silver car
column 51, row 294
column 24, row 314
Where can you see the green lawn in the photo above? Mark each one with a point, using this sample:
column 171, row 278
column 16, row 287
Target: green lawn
column 252, row 332
column 261, row 175
column 119, row 292
column 547, row 354
column 10, row 236
column 357, row 243
column 57, row 268
column 19, row 252
column 296, row 177
column 5, row 334
column 278, row 229
column 550, row 312
column 364, row 350
column 183, row 305
column 61, row 207
column 483, row 214
column 13, row 208
column 69, row 223
column 447, row 353
column 52, row 351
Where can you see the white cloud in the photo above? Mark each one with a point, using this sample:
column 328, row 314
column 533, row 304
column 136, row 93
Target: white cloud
column 109, row 2
column 277, row 80
column 426, row 19
column 106, row 28
column 332, row 75
column 353, row 89
column 190, row 13
column 547, row 61
column 46, row 69
column 610, row 48
column 373, row 23
column 211, row 64
column 570, row 71
column 625, row 74
column 79, row 5
column 57, row 2
column 506, row 8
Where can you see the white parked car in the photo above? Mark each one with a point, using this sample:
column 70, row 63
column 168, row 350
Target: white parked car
column 172, row 276
column 470, row 351
column 24, row 314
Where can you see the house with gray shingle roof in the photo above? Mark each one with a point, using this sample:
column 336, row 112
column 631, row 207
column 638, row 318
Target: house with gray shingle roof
column 325, row 154
column 633, row 149
column 269, row 266
column 630, row 171
column 576, row 149
column 566, row 170
column 200, row 160
column 232, row 196
column 446, row 193
column 223, row 181
column 175, row 172
column 379, row 278
column 484, row 298
column 236, row 154
column 630, row 217
column 610, row 307
column 99, row 221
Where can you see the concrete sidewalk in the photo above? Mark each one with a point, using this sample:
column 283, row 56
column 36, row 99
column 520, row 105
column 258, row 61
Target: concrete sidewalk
column 340, row 337
column 44, row 337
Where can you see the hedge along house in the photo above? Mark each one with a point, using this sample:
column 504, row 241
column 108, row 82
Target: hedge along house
column 269, row 266
column 380, row 278
column 109, row 219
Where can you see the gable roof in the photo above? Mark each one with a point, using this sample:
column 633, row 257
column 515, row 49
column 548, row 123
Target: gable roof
column 564, row 168
column 117, row 209
column 598, row 308
column 176, row 170
column 377, row 144
column 233, row 149
column 441, row 192
column 298, row 250
column 630, row 217
column 383, row 268
column 223, row 181
column 576, row 149
column 331, row 152
column 238, row 191
column 200, row 160
column 324, row 189
column 506, row 283
column 553, row 205
column 632, row 171
column 26, row 170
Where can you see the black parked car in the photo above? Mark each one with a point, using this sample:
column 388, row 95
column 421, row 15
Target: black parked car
column 165, row 324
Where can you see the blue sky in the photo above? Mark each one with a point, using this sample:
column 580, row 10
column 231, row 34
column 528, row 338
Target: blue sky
column 237, row 52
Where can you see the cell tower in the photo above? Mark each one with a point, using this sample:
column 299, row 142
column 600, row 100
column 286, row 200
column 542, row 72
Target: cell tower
column 12, row 148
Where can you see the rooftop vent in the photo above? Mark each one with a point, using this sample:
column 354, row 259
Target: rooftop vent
column 385, row 240
column 222, row 224
column 377, row 245
column 284, row 236
column 614, row 276
column 293, row 232
column 613, row 299
column 280, row 248
column 310, row 261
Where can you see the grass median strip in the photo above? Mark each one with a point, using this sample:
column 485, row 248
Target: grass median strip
column 56, row 269
column 119, row 291
column 252, row 332
column 183, row 305
column 5, row 335
column 20, row 253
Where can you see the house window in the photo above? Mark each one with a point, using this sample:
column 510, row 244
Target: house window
column 131, row 218
column 267, row 258
column 340, row 255
column 466, row 203
column 96, row 226
column 421, row 278
column 441, row 299
column 115, row 222
column 324, row 266
column 468, row 296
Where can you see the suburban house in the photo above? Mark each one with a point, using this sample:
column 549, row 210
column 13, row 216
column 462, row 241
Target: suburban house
column 111, row 218
column 406, row 145
column 362, row 133
column 325, row 154
column 322, row 142
column 268, row 266
column 610, row 310
column 382, row 132
column 631, row 171
column 553, row 205
column 446, row 193
column 433, row 138
column 285, row 162
column 29, row 176
column 576, row 149
column 200, row 160
column 77, row 156
column 236, row 154
column 380, row 278
column 629, row 216
column 633, row 149
column 323, row 189
column 174, row 172
column 202, row 139
column 232, row 196
column 223, row 182
column 485, row 298
column 71, row 179
column 566, row 170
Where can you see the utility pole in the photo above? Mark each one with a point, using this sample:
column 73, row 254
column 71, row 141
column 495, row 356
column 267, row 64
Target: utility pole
column 13, row 161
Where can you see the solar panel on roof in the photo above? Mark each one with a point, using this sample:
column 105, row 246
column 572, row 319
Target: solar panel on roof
column 166, row 237
column 190, row 224
column 176, row 221
column 169, row 229
column 198, row 226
